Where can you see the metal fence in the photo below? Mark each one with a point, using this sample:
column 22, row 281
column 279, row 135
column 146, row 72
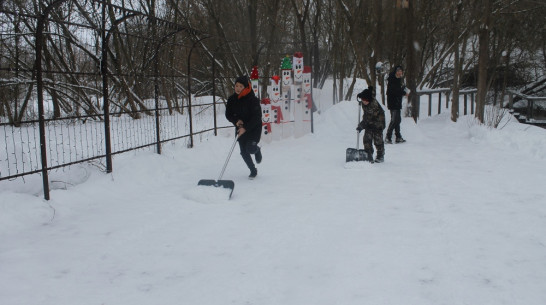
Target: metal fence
column 468, row 102
column 85, row 80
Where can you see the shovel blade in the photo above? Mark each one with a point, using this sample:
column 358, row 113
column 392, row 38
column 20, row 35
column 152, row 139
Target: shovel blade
column 353, row 154
column 228, row 184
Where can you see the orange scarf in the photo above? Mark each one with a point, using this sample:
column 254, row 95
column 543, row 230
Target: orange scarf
column 245, row 91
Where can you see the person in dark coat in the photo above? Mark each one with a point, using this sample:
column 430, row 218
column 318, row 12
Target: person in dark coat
column 373, row 121
column 243, row 110
column 396, row 90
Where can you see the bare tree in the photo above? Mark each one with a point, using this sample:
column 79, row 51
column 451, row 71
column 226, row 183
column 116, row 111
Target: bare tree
column 455, row 19
column 342, row 39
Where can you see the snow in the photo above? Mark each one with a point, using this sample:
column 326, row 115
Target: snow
column 456, row 215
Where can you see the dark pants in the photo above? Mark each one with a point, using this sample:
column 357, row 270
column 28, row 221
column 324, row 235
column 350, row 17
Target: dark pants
column 396, row 119
column 248, row 147
column 377, row 138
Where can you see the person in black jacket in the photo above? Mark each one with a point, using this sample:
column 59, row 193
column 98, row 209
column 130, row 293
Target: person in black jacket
column 396, row 90
column 244, row 111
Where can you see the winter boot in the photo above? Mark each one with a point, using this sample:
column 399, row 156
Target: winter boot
column 248, row 160
column 369, row 156
column 388, row 141
column 253, row 174
column 379, row 159
column 258, row 156
column 400, row 140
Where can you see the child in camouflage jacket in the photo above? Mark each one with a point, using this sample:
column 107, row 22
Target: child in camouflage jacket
column 373, row 121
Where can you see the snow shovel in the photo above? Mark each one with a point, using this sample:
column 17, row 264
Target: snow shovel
column 228, row 184
column 355, row 154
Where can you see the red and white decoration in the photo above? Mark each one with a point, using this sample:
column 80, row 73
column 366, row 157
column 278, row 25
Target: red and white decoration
column 267, row 120
column 274, row 93
column 287, row 109
column 254, row 81
column 297, row 66
column 307, row 99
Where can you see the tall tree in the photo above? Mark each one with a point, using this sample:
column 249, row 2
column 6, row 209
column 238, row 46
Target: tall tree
column 483, row 58
column 413, row 67
column 455, row 17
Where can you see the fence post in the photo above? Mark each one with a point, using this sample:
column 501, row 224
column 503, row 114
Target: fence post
column 40, row 92
column 189, row 96
column 465, row 103
column 430, row 104
column 104, row 72
column 214, row 94
column 439, row 102
column 40, row 88
column 471, row 103
column 156, row 95
column 530, row 104
column 106, row 105
column 313, row 104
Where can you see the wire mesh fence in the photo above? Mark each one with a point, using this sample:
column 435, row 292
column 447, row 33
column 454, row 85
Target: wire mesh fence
column 84, row 80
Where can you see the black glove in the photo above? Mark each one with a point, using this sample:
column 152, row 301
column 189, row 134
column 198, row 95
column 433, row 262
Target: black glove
column 359, row 128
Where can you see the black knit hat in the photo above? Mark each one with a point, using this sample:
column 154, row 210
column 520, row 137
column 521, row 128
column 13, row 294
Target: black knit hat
column 242, row 80
column 399, row 67
column 367, row 94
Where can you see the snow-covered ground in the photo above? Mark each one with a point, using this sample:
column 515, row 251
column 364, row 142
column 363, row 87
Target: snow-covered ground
column 457, row 215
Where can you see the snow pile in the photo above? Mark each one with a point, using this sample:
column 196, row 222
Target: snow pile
column 454, row 216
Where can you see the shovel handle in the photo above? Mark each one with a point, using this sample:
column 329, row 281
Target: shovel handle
column 228, row 157
column 358, row 122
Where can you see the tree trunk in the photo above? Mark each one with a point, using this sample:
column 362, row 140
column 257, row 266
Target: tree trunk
column 483, row 60
column 253, row 26
column 316, row 48
column 456, row 85
column 302, row 14
column 412, row 64
column 455, row 17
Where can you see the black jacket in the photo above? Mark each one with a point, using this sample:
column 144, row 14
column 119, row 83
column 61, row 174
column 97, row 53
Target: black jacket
column 395, row 92
column 248, row 110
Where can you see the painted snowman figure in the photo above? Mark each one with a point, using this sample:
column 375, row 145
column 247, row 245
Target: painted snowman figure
column 286, row 96
column 307, row 99
column 296, row 94
column 254, row 81
column 298, row 67
column 267, row 120
column 274, row 94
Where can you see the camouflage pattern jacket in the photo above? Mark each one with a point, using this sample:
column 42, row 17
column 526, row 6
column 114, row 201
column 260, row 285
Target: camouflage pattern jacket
column 373, row 118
